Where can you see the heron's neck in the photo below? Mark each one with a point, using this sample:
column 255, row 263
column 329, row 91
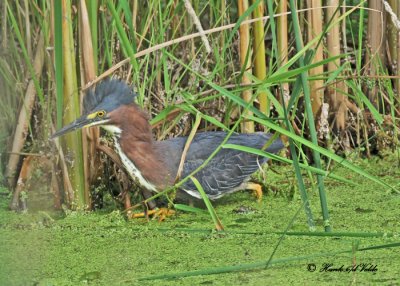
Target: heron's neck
column 136, row 144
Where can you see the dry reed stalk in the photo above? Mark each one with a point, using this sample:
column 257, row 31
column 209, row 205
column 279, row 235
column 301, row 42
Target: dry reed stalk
column 398, row 57
column 186, row 38
column 260, row 64
column 315, row 24
column 393, row 9
column 21, row 131
column 336, row 97
column 197, row 23
column 72, row 142
column 376, row 37
column 282, row 36
column 245, row 62
column 90, row 138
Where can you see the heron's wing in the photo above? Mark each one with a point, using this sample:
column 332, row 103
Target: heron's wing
column 223, row 174
column 227, row 170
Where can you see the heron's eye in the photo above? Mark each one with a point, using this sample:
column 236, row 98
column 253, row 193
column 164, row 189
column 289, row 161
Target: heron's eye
column 101, row 113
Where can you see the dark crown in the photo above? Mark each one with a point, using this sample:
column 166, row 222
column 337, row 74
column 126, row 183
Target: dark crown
column 108, row 95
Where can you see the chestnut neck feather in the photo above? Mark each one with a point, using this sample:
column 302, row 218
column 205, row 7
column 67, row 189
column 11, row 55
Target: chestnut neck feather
column 137, row 142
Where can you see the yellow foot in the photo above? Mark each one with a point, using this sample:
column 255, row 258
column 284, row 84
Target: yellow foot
column 257, row 189
column 160, row 213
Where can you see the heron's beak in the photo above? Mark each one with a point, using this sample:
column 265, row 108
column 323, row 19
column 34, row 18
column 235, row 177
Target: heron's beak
column 77, row 124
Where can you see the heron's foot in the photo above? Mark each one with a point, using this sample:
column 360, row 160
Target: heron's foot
column 257, row 190
column 160, row 213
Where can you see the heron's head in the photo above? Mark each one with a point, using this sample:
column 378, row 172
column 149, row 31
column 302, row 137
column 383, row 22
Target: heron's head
column 102, row 107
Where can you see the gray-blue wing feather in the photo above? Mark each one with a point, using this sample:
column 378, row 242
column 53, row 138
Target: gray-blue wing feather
column 224, row 173
column 227, row 170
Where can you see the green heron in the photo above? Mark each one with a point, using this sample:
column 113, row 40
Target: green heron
column 155, row 163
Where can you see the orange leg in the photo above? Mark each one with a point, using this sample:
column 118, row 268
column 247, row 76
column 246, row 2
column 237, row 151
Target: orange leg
column 160, row 213
column 257, row 189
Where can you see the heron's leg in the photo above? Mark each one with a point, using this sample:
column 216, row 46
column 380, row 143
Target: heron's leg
column 160, row 213
column 147, row 194
column 256, row 188
column 151, row 209
column 127, row 203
